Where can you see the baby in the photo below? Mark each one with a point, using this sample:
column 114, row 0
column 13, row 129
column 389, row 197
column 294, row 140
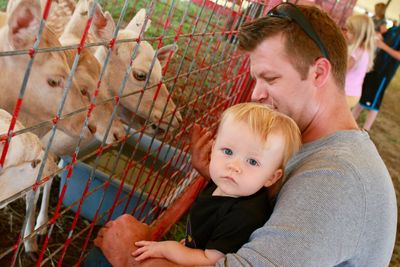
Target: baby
column 252, row 146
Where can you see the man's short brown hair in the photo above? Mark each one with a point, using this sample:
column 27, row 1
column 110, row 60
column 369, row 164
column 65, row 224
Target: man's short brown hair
column 301, row 49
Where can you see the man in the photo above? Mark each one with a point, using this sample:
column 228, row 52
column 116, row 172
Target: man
column 338, row 206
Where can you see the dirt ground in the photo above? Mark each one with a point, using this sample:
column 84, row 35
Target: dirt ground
column 386, row 135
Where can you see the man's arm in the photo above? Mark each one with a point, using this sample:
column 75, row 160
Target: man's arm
column 176, row 252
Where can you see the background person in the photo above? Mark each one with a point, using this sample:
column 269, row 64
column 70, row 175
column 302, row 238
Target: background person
column 376, row 81
column 235, row 201
column 360, row 37
column 379, row 18
column 337, row 206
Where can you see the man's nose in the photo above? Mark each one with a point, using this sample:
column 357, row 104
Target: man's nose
column 259, row 94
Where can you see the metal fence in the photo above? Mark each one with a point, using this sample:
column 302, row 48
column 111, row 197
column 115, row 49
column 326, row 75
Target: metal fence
column 145, row 172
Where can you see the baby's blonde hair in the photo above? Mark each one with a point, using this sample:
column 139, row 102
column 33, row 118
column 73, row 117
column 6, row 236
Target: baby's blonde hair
column 263, row 121
column 362, row 27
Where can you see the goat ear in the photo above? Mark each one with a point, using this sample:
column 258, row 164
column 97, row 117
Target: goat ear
column 137, row 22
column 164, row 52
column 103, row 24
column 23, row 23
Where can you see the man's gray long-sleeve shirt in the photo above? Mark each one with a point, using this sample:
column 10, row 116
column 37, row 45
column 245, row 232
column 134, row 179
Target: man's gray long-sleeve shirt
column 338, row 208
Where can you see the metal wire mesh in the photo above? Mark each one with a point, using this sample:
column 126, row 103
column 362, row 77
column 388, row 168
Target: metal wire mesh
column 148, row 169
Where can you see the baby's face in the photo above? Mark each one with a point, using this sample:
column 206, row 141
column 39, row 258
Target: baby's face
column 241, row 164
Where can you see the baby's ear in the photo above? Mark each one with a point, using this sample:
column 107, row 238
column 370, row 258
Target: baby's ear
column 274, row 178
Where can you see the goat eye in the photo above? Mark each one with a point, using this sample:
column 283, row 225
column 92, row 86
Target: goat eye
column 35, row 163
column 53, row 83
column 140, row 76
column 84, row 92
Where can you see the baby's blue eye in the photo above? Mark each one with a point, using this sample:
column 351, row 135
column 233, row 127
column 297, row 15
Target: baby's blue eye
column 227, row 151
column 252, row 162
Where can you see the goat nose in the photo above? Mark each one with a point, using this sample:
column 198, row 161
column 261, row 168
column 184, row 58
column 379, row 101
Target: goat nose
column 92, row 128
column 116, row 137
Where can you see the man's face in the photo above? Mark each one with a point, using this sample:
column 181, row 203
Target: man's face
column 279, row 84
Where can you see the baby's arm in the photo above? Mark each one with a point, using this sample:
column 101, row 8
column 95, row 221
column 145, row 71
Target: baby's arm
column 176, row 252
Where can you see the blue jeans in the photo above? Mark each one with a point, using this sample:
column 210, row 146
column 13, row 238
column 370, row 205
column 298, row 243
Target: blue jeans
column 96, row 258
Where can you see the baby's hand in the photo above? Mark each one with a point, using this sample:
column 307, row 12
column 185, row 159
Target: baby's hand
column 148, row 249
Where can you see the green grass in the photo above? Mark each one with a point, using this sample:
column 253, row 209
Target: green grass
column 159, row 15
column 178, row 231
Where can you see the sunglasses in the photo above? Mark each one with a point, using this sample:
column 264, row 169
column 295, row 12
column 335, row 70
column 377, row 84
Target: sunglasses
column 291, row 12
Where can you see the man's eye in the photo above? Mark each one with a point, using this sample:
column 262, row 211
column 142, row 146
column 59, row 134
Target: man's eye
column 252, row 162
column 227, row 151
column 270, row 79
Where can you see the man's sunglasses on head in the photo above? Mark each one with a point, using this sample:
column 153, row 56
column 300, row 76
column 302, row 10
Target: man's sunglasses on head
column 291, row 12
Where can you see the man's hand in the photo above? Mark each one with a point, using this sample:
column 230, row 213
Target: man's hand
column 117, row 239
column 200, row 147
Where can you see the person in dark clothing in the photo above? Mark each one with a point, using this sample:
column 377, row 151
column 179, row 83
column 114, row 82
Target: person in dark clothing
column 235, row 202
column 376, row 81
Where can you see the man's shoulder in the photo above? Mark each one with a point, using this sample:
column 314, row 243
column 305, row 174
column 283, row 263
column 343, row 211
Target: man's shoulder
column 344, row 159
column 341, row 146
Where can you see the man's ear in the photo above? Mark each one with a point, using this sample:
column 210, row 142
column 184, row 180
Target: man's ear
column 321, row 71
column 274, row 178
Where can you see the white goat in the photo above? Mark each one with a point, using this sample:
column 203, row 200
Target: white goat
column 102, row 30
column 86, row 76
column 44, row 89
column 19, row 173
column 142, row 70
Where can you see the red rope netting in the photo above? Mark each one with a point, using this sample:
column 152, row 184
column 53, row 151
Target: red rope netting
column 147, row 171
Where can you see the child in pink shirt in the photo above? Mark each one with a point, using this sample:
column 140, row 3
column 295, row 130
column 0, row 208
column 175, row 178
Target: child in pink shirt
column 360, row 38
